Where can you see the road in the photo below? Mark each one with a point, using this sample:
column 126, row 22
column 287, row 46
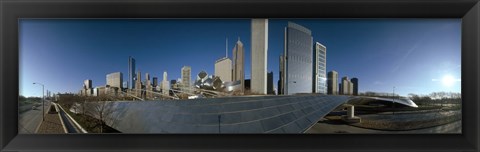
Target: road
column 29, row 120
column 324, row 127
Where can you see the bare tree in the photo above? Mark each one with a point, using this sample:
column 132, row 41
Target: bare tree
column 104, row 111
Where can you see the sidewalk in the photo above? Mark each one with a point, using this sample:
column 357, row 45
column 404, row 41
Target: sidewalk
column 51, row 125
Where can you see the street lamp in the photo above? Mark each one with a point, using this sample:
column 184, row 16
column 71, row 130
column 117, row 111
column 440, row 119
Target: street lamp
column 43, row 100
column 393, row 101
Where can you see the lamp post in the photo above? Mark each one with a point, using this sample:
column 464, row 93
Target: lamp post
column 393, row 101
column 43, row 100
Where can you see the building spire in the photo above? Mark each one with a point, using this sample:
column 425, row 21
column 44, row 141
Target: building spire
column 226, row 47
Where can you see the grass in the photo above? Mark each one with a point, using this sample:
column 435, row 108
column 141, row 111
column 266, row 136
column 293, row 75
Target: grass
column 392, row 124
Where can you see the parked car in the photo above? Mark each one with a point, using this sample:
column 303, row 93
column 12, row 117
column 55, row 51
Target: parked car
column 34, row 107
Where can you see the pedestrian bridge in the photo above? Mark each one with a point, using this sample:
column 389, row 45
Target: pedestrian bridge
column 402, row 101
column 247, row 114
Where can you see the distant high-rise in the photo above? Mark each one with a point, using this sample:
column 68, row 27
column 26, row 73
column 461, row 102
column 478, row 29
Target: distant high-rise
column 355, row 85
column 279, row 92
column 340, row 91
column 147, row 77
column 138, row 85
column 270, row 83
column 320, row 69
column 173, row 82
column 115, row 80
column 298, row 60
column 238, row 64
column 281, row 75
column 332, row 80
column 87, row 84
column 131, row 72
column 148, row 86
column 186, row 76
column 259, row 51
column 165, row 84
column 347, row 88
column 87, row 89
column 350, row 87
column 125, row 84
column 223, row 69
column 155, row 82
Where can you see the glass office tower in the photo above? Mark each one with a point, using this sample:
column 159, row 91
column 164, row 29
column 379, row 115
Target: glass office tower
column 131, row 72
column 320, row 69
column 298, row 59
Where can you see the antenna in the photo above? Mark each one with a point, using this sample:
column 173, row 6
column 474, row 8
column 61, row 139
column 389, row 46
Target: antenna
column 226, row 47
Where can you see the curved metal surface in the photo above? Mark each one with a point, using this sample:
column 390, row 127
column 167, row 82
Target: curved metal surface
column 259, row 114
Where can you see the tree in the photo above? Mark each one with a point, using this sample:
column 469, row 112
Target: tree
column 104, row 111
column 22, row 98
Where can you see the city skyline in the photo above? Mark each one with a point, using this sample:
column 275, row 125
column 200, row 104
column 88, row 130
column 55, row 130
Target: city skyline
column 365, row 41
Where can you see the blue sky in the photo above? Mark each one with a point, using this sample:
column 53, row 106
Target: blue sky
column 414, row 55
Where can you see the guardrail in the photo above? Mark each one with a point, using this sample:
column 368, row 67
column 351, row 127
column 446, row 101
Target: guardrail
column 73, row 120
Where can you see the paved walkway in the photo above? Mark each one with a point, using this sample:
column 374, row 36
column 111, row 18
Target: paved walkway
column 51, row 125
column 323, row 126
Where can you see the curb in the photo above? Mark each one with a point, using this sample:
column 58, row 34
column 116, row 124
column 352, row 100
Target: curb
column 73, row 120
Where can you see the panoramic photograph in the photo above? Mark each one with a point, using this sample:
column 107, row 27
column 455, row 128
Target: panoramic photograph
column 240, row 76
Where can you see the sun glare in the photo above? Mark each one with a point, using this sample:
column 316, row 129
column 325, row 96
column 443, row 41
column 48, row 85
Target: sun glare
column 448, row 80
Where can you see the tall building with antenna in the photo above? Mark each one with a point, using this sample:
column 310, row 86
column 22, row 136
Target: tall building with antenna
column 223, row 66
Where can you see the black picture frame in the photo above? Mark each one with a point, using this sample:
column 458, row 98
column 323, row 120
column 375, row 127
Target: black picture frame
column 12, row 10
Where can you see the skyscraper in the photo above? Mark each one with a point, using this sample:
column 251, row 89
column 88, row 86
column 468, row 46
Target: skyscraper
column 165, row 84
column 131, row 72
column 332, row 80
column 87, row 88
column 138, row 85
column 186, row 76
column 155, row 82
column 298, row 61
column 223, row 69
column 281, row 75
column 115, row 80
column 355, row 85
column 148, row 86
column 270, row 83
column 87, row 84
column 350, row 87
column 347, row 86
column 259, row 51
column 238, row 64
column 320, row 69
